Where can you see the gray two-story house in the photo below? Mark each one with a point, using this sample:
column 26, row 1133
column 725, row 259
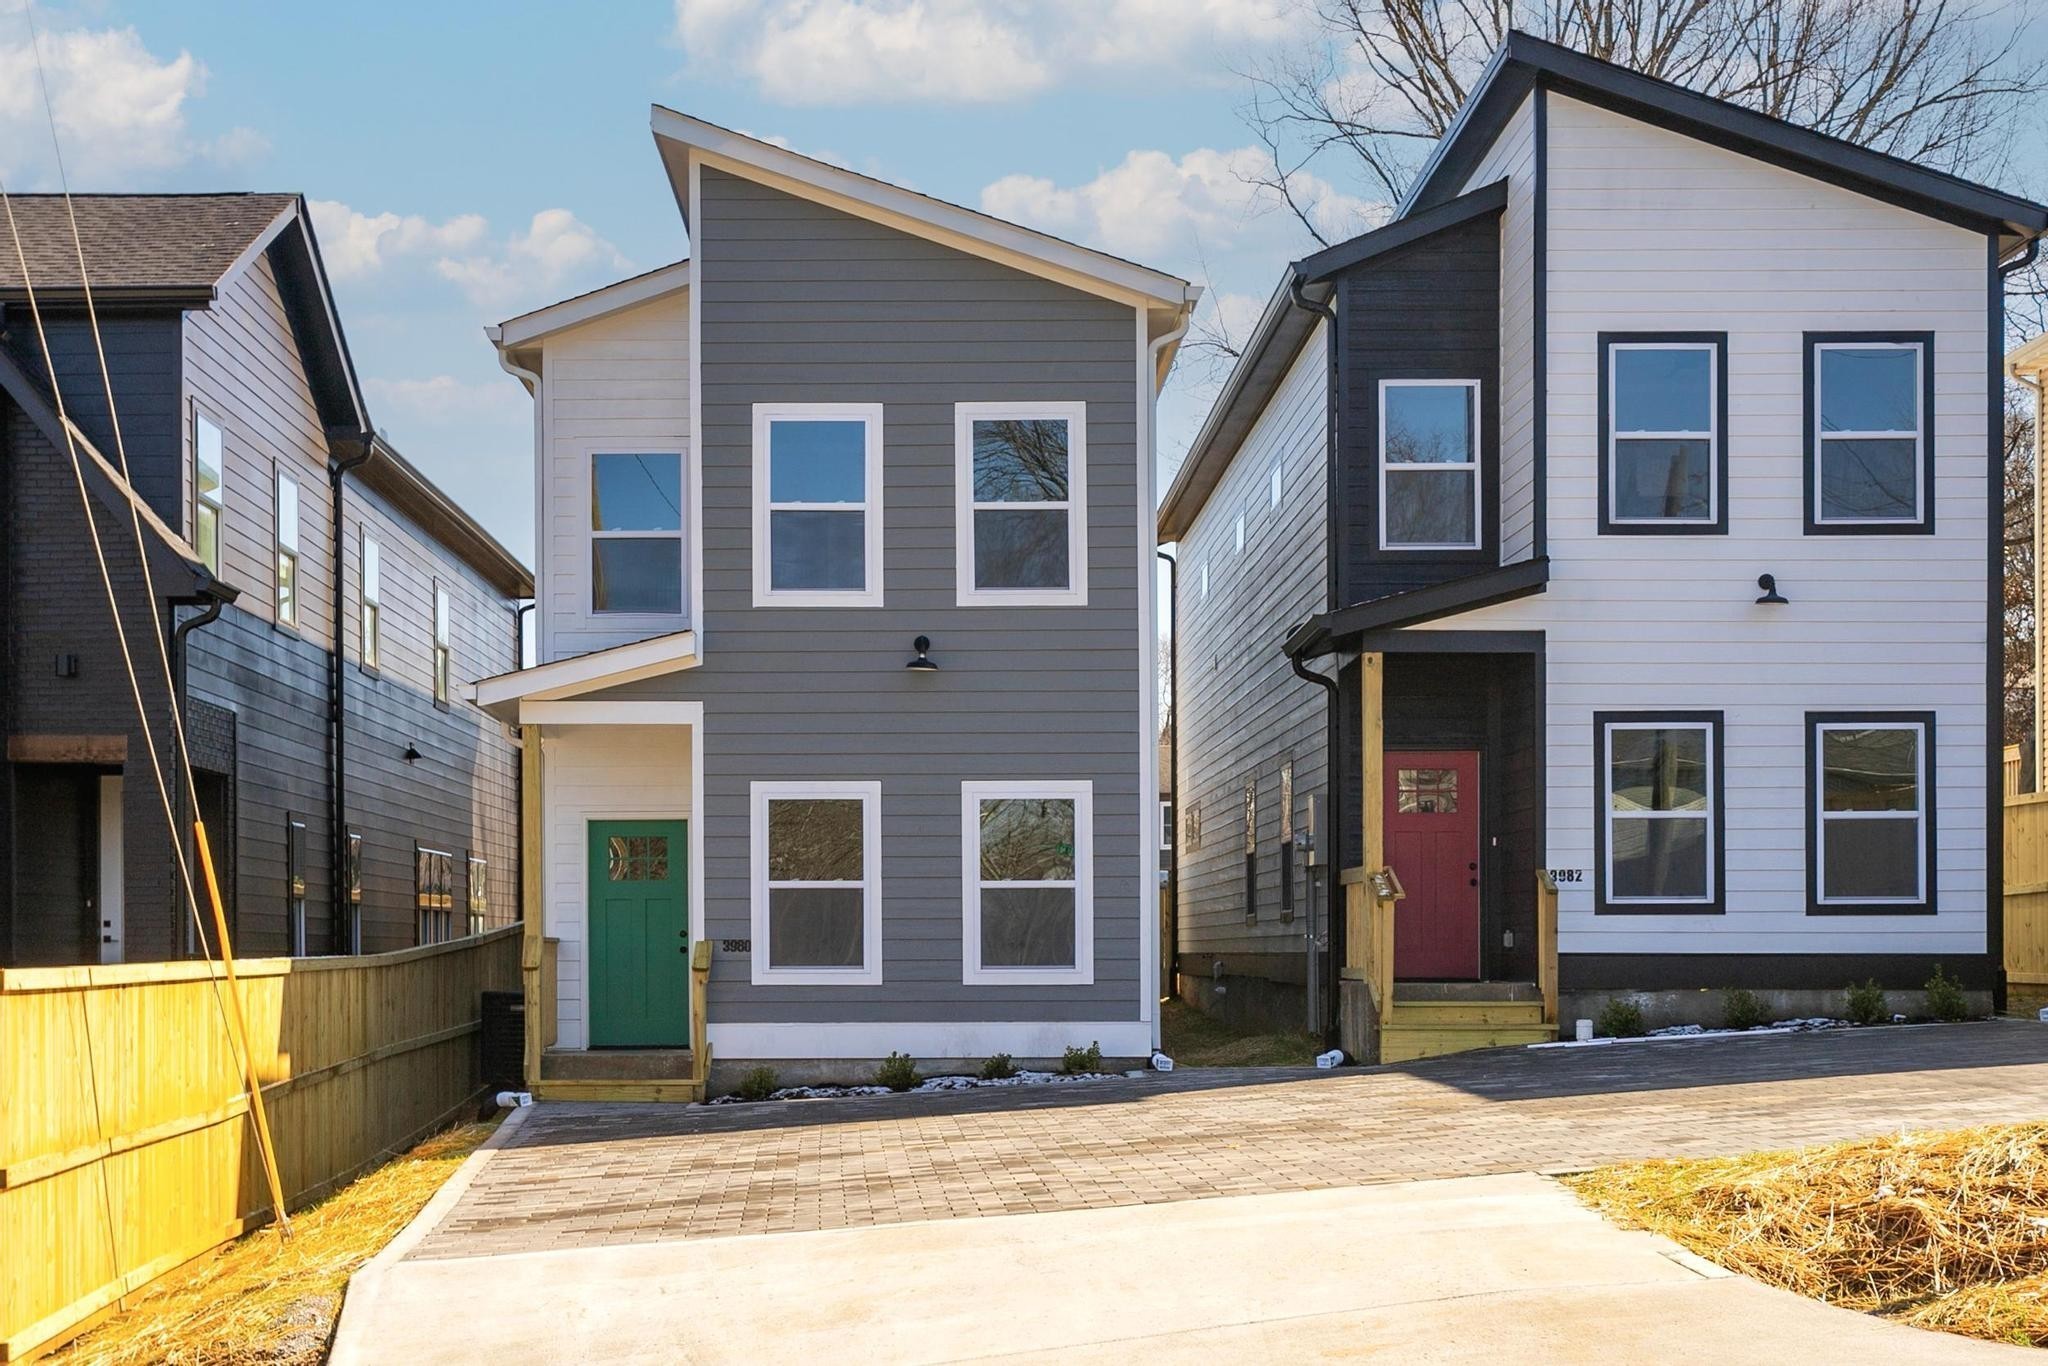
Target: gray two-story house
column 846, row 631
column 313, row 599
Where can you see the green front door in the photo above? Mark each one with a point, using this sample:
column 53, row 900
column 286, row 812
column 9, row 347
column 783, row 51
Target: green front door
column 639, row 934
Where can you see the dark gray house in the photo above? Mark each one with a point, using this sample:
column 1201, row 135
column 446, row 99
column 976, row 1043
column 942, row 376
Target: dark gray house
column 320, row 601
column 846, row 630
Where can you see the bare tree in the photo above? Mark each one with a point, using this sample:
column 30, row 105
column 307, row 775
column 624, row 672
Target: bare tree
column 1935, row 81
column 2020, row 625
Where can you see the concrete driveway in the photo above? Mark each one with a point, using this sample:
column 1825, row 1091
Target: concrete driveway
column 1246, row 1211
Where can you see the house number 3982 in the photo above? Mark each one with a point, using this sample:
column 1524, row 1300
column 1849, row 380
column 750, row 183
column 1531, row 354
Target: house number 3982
column 1567, row 874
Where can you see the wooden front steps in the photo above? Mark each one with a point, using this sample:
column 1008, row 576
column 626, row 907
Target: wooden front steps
column 1430, row 1019
column 664, row 1074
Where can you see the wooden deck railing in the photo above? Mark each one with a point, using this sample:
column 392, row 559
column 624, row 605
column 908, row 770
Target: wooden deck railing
column 1369, row 899
column 124, row 1139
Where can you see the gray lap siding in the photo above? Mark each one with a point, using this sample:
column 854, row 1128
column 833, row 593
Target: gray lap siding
column 801, row 303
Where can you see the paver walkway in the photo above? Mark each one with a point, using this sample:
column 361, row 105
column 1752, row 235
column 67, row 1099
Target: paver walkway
column 578, row 1176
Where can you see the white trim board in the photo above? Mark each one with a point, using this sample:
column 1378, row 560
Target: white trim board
column 929, row 1041
column 601, row 302
column 765, row 416
column 869, row 795
column 588, row 673
column 611, row 714
column 967, row 592
column 972, row 885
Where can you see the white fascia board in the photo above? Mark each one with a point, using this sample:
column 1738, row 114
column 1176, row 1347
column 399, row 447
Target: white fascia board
column 2029, row 358
column 920, row 215
column 585, row 308
column 588, row 673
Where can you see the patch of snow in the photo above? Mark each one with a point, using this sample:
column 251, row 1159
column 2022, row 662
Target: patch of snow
column 1692, row 1031
column 928, row 1086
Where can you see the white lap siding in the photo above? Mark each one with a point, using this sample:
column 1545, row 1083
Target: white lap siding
column 1649, row 230
column 597, row 773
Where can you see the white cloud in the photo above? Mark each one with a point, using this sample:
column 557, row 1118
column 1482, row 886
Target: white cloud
column 530, row 267
column 962, row 51
column 1151, row 206
column 356, row 244
column 119, row 110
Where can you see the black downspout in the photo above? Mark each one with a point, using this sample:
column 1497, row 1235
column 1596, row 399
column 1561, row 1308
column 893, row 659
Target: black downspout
column 1173, row 763
column 1333, row 769
column 337, row 714
column 179, row 795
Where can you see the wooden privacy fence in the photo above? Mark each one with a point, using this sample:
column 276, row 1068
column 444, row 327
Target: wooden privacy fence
column 124, row 1136
column 2026, row 890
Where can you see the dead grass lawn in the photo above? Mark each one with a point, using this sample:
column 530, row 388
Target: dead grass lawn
column 1193, row 1038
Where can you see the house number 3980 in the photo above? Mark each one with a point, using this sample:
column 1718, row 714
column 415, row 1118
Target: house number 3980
column 735, row 946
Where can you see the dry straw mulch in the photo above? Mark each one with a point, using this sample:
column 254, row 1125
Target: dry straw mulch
column 1941, row 1230
column 262, row 1299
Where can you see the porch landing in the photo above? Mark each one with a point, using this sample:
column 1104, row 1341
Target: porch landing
column 619, row 1074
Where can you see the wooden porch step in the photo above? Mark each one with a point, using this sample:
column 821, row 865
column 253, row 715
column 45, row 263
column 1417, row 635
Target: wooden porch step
column 1432, row 1014
column 1467, row 991
column 1401, row 1041
column 590, row 1088
column 617, row 1064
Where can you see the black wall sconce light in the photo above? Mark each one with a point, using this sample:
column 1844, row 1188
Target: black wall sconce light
column 1769, row 583
column 412, row 754
column 924, row 661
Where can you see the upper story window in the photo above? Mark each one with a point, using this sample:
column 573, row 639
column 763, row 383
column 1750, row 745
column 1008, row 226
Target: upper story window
column 1871, row 831
column 1867, row 462
column 818, row 504
column 443, row 648
column 1663, row 433
column 1658, row 827
column 371, row 567
column 636, row 533
column 1020, row 478
column 817, row 895
column 1027, row 888
column 287, row 550
column 209, row 496
column 1429, row 464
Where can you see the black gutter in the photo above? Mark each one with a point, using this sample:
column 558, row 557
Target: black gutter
column 337, row 711
column 1333, row 506
column 1173, row 754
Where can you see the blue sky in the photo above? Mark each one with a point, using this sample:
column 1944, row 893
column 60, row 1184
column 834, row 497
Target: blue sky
column 471, row 162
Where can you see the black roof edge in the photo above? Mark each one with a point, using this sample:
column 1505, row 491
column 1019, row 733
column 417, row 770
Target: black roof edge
column 1403, row 231
column 1524, row 59
column 1319, row 634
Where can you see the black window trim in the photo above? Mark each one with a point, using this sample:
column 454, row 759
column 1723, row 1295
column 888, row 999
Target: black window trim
column 1605, row 455
column 1928, row 769
column 1715, row 721
column 1810, row 420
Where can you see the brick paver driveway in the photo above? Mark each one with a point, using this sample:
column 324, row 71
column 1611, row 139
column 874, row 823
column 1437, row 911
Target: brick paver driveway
column 585, row 1175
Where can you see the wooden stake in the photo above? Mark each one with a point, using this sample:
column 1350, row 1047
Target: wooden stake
column 264, row 1147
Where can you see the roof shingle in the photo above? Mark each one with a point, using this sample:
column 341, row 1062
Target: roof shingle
column 135, row 241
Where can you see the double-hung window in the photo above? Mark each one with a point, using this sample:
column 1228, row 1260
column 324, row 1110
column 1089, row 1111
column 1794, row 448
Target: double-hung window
column 817, row 504
column 1663, row 433
column 479, row 888
column 444, row 650
column 1658, row 827
column 1027, row 882
column 636, row 534
column 1868, row 466
column 1020, row 475
column 1429, row 464
column 295, row 882
column 287, row 550
column 433, row 894
column 209, row 496
column 372, row 592
column 1871, row 827
column 817, row 893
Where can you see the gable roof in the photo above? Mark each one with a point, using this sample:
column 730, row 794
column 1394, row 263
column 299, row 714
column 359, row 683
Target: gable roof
column 682, row 140
column 590, row 305
column 1523, row 61
column 146, row 244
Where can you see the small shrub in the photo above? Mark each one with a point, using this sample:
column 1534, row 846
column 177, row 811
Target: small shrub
column 897, row 1072
column 998, row 1067
column 1743, row 1009
column 1945, row 999
column 1076, row 1061
column 1620, row 1018
column 1865, row 1004
column 758, row 1084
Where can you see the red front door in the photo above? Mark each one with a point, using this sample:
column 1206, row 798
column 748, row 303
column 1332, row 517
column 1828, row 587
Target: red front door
column 1432, row 820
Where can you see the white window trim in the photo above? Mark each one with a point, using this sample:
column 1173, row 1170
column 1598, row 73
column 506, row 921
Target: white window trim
column 1918, row 436
column 1608, row 813
column 219, row 498
column 441, row 654
column 869, row 973
column 1273, row 489
column 766, row 414
column 610, row 618
column 1075, row 594
column 369, row 597
column 1082, row 973
column 1712, row 435
column 281, row 547
column 1478, row 540
column 1166, row 824
column 1823, row 817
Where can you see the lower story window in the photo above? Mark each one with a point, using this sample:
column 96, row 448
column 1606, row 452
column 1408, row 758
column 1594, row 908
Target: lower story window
column 817, row 897
column 1871, row 832
column 1027, row 882
column 479, row 893
column 295, row 882
column 1659, row 818
column 352, row 872
column 433, row 892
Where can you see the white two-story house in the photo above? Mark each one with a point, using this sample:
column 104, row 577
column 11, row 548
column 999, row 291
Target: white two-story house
column 1618, row 524
column 845, row 631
